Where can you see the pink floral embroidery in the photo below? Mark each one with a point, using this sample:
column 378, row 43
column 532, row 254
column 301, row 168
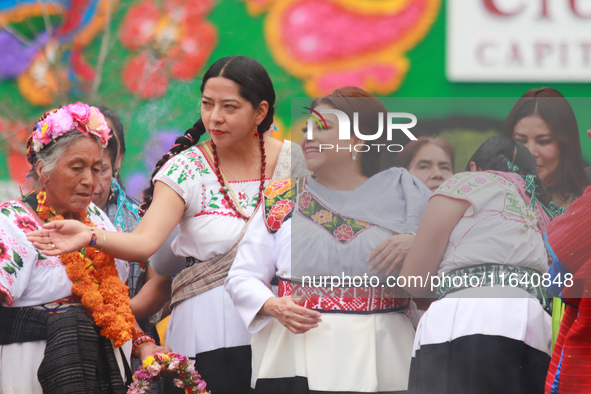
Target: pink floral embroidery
column 3, row 252
column 26, row 224
column 465, row 189
column 241, row 196
column 199, row 165
column 480, row 180
column 449, row 184
column 192, row 155
column 502, row 181
column 278, row 213
column 304, row 201
column 343, row 232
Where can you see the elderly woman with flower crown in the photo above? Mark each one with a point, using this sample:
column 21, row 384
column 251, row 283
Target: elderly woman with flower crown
column 53, row 308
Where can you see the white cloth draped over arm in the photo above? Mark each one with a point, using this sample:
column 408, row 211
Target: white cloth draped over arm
column 248, row 281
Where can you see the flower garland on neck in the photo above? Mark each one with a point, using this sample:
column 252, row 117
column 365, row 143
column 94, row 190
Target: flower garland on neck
column 96, row 281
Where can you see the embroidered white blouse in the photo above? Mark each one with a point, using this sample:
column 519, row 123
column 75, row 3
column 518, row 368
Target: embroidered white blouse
column 207, row 229
column 497, row 228
column 27, row 276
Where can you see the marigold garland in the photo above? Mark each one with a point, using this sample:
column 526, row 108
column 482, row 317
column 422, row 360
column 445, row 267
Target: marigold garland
column 96, row 281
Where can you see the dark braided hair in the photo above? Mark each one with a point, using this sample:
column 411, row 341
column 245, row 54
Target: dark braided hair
column 255, row 86
column 496, row 153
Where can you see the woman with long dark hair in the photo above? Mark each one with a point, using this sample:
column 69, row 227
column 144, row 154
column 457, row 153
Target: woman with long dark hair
column 480, row 243
column 543, row 121
column 210, row 190
column 343, row 340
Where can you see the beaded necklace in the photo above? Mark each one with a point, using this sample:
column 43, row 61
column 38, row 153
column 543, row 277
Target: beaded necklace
column 218, row 173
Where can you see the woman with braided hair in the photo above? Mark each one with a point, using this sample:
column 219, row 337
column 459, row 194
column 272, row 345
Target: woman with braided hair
column 210, row 190
column 480, row 243
column 61, row 316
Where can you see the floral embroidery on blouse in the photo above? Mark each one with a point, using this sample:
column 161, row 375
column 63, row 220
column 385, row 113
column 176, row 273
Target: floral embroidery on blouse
column 213, row 199
column 470, row 186
column 191, row 165
column 278, row 199
column 343, row 229
column 12, row 255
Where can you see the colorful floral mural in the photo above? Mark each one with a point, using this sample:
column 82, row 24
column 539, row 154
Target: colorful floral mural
column 167, row 40
column 43, row 44
column 334, row 43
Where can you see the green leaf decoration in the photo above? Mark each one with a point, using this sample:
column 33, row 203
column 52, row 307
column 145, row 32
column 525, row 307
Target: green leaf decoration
column 9, row 269
column 5, row 211
column 17, row 258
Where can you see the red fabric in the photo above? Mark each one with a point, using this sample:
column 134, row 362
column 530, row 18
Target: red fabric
column 569, row 236
column 349, row 299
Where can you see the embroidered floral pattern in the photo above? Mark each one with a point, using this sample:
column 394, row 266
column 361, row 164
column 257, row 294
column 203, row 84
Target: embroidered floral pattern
column 3, row 251
column 343, row 233
column 466, row 189
column 465, row 185
column 304, row 201
column 277, row 188
column 278, row 214
column 211, row 201
column 215, row 200
column 25, row 223
column 278, row 203
column 190, row 165
column 322, row 217
column 11, row 254
column 341, row 228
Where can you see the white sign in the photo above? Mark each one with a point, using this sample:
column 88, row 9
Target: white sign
column 518, row 40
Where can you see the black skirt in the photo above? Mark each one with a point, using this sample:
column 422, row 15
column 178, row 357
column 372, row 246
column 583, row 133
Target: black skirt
column 225, row 370
column 478, row 364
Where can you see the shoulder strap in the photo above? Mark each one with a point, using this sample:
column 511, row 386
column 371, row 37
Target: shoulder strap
column 208, row 274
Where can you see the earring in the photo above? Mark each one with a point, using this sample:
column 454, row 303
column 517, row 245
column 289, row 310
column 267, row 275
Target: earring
column 354, row 155
column 256, row 134
column 41, row 197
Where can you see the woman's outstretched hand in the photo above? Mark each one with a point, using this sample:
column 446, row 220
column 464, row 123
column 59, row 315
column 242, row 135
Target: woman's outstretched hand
column 60, row 236
column 295, row 318
column 390, row 253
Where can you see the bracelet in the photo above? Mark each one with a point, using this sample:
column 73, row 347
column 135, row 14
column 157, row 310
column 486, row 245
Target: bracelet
column 139, row 339
column 92, row 237
column 104, row 241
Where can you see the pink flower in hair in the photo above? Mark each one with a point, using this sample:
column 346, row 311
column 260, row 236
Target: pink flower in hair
column 202, row 386
column 79, row 111
column 98, row 126
column 62, row 122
